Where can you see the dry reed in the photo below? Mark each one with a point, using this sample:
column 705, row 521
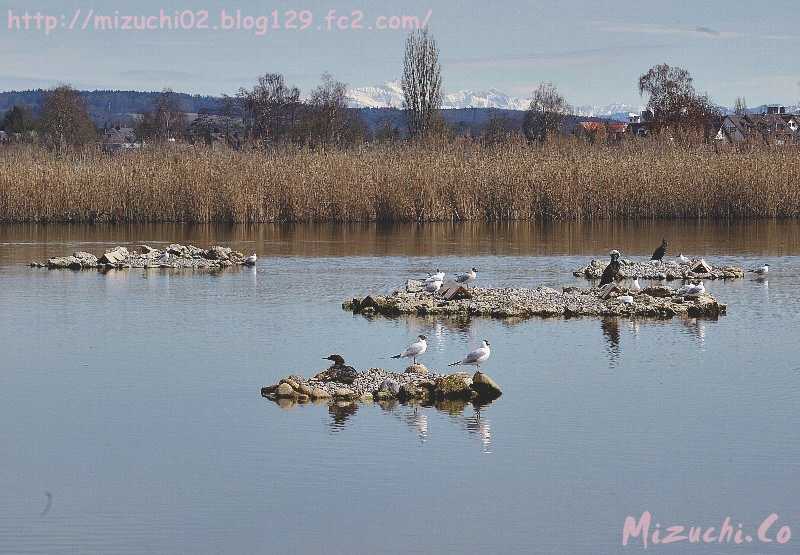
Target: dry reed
column 399, row 183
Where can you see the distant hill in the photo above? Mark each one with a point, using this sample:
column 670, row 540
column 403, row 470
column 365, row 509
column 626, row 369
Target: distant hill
column 121, row 107
column 112, row 107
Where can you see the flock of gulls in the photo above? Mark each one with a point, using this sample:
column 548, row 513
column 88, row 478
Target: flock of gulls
column 696, row 287
column 473, row 358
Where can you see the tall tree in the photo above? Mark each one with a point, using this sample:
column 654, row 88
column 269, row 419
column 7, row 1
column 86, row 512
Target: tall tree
column 18, row 120
column 166, row 119
column 65, row 120
column 545, row 113
column 422, row 82
column 740, row 106
column 271, row 108
column 328, row 120
column 673, row 100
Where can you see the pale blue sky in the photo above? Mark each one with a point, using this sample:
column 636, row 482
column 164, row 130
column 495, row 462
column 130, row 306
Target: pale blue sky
column 593, row 50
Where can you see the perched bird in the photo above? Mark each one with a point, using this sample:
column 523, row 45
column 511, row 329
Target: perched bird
column 659, row 253
column 696, row 288
column 438, row 276
column 682, row 259
column 338, row 372
column 612, row 270
column 625, row 299
column 164, row 257
column 433, row 286
column 636, row 287
column 415, row 349
column 251, row 260
column 476, row 357
column 467, row 277
column 761, row 271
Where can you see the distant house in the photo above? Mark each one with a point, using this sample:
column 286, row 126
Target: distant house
column 775, row 128
column 215, row 130
column 120, row 138
column 601, row 130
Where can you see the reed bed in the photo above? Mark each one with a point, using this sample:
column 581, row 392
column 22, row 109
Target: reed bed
column 399, row 183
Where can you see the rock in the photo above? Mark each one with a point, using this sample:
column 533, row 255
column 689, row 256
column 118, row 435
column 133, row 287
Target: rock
column 319, row 393
column 389, row 385
column 305, row 389
column 343, row 393
column 114, row 256
column 87, row 260
column 269, row 390
column 300, row 398
column 284, row 391
column 417, row 369
column 218, row 253
column 292, row 383
column 660, row 291
column 146, row 249
column 455, row 386
column 418, row 391
column 486, row 387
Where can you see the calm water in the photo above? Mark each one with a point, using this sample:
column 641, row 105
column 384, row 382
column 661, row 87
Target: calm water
column 132, row 398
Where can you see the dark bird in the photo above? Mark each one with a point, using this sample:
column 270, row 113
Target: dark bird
column 338, row 372
column 612, row 270
column 659, row 253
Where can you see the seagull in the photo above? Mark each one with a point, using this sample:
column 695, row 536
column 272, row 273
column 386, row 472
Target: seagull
column 692, row 289
column 682, row 259
column 762, row 271
column 659, row 253
column 467, row 277
column 438, row 276
column 164, row 259
column 636, row 287
column 433, row 286
column 476, row 357
column 612, row 270
column 625, row 299
column 251, row 260
column 415, row 349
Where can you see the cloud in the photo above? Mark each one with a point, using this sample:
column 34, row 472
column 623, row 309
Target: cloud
column 657, row 29
column 159, row 75
column 565, row 57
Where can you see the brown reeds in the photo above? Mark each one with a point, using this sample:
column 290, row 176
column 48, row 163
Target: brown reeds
column 400, row 183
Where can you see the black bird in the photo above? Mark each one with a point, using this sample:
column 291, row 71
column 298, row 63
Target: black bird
column 612, row 270
column 339, row 371
column 659, row 253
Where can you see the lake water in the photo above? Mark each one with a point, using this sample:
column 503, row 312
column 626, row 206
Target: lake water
column 132, row 398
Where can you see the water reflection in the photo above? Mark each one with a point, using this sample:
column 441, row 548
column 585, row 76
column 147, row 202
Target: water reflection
column 610, row 327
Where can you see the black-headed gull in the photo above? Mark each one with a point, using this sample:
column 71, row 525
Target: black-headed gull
column 761, row 271
column 433, row 286
column 415, row 349
column 682, row 259
column 476, row 357
column 467, row 277
column 438, row 276
column 251, row 260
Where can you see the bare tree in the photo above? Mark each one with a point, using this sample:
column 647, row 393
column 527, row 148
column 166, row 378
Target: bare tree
column 328, row 120
column 271, row 108
column 545, row 113
column 65, row 119
column 673, row 100
column 740, row 106
column 422, row 82
column 165, row 121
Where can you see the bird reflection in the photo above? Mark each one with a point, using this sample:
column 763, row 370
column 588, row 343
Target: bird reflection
column 482, row 428
column 696, row 327
column 610, row 327
column 340, row 413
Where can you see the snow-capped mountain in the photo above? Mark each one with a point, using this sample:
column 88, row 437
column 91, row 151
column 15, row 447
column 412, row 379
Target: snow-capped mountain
column 390, row 95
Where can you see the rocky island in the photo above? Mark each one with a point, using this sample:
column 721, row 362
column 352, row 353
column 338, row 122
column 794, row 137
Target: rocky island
column 415, row 385
column 144, row 256
column 669, row 270
column 657, row 301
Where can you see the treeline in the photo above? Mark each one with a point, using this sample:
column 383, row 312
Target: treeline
column 271, row 113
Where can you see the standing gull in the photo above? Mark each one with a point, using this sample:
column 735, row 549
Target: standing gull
column 659, row 253
column 476, row 357
column 636, row 287
column 761, row 271
column 438, row 276
column 251, row 260
column 467, row 277
column 415, row 349
column 433, row 286
column 682, row 259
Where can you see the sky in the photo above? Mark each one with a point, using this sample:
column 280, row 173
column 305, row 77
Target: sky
column 592, row 50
